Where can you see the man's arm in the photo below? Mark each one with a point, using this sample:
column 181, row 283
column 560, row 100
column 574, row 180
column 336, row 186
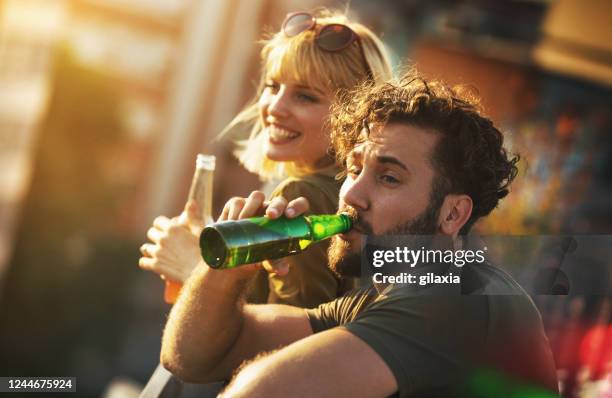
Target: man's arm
column 334, row 363
column 210, row 331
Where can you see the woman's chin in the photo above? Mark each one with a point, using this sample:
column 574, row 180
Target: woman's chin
column 282, row 158
column 280, row 155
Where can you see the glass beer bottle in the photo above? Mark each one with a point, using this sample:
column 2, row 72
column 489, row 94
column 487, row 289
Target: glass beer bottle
column 201, row 192
column 228, row 244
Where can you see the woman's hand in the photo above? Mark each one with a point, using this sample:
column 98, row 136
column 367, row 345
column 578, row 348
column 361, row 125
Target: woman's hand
column 174, row 252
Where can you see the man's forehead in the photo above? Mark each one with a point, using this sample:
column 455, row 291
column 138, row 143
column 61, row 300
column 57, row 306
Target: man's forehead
column 366, row 137
column 405, row 142
column 374, row 138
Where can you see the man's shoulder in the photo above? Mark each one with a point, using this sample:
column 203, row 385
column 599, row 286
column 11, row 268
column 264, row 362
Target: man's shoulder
column 496, row 323
column 507, row 301
column 488, row 279
column 487, row 295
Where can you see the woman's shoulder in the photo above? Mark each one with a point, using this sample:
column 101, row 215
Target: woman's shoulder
column 320, row 190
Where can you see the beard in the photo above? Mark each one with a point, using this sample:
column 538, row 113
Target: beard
column 345, row 260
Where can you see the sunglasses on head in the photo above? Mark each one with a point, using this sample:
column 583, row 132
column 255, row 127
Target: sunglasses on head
column 331, row 37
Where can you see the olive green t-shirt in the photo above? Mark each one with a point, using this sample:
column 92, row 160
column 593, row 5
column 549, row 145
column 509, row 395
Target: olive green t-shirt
column 309, row 282
column 442, row 342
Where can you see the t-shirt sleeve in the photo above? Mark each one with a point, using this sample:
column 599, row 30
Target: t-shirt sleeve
column 420, row 339
column 339, row 311
column 323, row 317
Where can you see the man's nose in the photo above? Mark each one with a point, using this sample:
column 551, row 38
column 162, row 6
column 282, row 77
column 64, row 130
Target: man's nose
column 355, row 193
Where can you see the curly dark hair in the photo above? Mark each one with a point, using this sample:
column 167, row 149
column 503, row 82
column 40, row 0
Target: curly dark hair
column 468, row 159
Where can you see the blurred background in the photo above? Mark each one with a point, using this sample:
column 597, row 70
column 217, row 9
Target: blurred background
column 105, row 103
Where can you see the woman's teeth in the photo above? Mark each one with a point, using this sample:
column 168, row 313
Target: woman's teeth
column 277, row 133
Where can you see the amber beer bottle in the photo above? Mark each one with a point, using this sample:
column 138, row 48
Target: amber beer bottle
column 201, row 192
column 228, row 244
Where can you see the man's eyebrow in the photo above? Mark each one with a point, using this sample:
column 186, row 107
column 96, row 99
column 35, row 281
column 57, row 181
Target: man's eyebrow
column 391, row 160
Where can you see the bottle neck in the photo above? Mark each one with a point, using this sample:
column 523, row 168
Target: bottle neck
column 327, row 225
column 201, row 192
column 207, row 200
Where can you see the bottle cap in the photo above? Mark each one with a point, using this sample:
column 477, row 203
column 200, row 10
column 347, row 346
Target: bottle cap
column 205, row 162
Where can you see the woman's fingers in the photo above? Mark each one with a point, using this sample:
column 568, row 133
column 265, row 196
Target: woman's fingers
column 148, row 250
column 161, row 222
column 154, row 234
column 193, row 213
column 146, row 263
column 160, row 267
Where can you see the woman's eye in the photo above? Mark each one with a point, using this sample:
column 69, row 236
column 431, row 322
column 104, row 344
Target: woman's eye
column 272, row 86
column 307, row 97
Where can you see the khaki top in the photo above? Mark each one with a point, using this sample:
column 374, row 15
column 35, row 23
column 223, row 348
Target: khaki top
column 309, row 282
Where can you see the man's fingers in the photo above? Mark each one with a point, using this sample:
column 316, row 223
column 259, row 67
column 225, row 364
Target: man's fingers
column 279, row 267
column 253, row 204
column 236, row 206
column 276, row 207
column 232, row 209
column 297, row 207
column 224, row 213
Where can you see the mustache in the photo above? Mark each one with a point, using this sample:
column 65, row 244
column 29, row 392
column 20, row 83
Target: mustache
column 359, row 223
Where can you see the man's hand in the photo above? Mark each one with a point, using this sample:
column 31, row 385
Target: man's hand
column 255, row 205
column 210, row 331
column 239, row 208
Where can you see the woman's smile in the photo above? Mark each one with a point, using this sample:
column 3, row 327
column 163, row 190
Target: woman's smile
column 280, row 135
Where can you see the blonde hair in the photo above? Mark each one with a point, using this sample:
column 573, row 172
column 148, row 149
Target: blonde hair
column 298, row 59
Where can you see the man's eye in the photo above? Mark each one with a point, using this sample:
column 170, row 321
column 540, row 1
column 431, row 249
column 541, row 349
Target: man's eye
column 388, row 179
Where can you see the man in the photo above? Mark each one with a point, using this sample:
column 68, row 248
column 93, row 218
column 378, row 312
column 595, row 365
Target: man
column 420, row 159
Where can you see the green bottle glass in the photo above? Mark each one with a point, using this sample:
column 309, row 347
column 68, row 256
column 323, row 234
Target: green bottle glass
column 228, row 244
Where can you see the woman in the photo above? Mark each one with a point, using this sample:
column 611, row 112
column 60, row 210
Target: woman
column 314, row 56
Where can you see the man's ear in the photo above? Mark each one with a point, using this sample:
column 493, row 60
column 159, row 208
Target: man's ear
column 455, row 211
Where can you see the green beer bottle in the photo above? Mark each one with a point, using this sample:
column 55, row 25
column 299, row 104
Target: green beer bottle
column 228, row 244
